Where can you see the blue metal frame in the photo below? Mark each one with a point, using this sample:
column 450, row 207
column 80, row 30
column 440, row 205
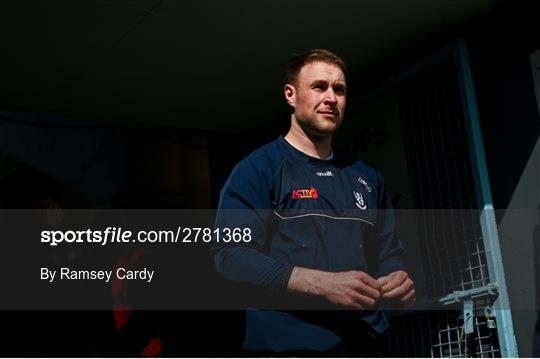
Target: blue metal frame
column 505, row 327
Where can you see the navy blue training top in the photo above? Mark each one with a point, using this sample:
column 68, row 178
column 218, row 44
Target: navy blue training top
column 303, row 211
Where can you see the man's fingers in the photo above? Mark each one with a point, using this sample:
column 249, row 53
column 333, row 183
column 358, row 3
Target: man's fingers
column 356, row 306
column 399, row 291
column 394, row 281
column 409, row 298
column 383, row 280
column 368, row 280
column 362, row 300
column 368, row 291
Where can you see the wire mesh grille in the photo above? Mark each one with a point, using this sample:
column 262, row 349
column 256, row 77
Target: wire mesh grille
column 451, row 243
column 440, row 334
column 441, row 178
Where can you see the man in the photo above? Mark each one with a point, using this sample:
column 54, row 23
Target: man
column 315, row 226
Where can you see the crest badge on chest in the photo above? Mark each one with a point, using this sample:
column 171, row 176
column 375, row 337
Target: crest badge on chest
column 360, row 203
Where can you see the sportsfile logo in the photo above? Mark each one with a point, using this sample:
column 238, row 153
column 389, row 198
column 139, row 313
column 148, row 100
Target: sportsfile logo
column 305, row 193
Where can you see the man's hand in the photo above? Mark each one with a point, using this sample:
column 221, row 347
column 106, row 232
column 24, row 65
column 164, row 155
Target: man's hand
column 398, row 288
column 352, row 289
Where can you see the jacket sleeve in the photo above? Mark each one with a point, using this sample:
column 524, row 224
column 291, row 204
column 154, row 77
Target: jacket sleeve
column 389, row 246
column 245, row 202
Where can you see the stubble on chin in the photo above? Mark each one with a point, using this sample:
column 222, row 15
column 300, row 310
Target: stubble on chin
column 319, row 128
column 324, row 127
column 319, row 133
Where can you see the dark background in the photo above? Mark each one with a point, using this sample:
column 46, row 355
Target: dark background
column 149, row 104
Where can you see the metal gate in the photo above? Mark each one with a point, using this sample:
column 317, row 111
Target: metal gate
column 458, row 239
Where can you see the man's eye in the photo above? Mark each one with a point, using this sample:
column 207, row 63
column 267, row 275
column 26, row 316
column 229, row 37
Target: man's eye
column 320, row 87
column 340, row 90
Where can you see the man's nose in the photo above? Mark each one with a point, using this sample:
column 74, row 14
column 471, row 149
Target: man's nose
column 331, row 96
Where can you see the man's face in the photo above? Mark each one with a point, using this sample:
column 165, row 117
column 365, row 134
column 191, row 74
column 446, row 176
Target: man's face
column 318, row 98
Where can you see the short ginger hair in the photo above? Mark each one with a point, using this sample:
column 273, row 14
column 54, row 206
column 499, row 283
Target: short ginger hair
column 298, row 61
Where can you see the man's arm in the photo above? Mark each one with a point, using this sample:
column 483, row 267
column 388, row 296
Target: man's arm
column 245, row 202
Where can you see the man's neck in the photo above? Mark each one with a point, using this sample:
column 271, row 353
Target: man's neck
column 318, row 147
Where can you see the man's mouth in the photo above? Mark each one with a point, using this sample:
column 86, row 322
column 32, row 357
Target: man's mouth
column 328, row 113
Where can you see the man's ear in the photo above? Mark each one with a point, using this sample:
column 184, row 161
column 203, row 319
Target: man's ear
column 290, row 94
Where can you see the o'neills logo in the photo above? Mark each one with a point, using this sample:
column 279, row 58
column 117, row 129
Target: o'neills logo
column 363, row 181
column 305, row 193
